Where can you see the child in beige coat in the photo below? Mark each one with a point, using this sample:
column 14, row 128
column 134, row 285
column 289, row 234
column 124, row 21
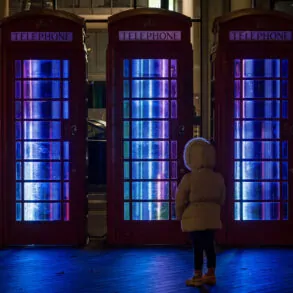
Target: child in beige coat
column 199, row 197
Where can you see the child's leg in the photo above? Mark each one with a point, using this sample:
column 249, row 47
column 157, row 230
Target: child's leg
column 211, row 257
column 197, row 245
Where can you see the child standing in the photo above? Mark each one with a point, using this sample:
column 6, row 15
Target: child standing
column 199, row 197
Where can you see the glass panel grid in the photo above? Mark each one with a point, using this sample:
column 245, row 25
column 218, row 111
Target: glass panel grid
column 150, row 93
column 260, row 155
column 42, row 157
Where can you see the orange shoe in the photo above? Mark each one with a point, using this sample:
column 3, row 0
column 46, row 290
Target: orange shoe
column 210, row 277
column 195, row 281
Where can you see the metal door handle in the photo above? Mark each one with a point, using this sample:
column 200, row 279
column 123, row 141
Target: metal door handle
column 181, row 130
column 73, row 130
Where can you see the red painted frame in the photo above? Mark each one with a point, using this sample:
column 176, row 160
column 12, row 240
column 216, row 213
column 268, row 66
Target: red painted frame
column 72, row 232
column 143, row 232
column 247, row 232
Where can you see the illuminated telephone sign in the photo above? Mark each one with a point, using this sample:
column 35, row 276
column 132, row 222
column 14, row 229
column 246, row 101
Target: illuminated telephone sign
column 260, row 36
column 41, row 36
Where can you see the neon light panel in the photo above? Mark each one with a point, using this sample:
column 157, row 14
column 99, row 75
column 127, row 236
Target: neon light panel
column 150, row 156
column 42, row 156
column 260, row 154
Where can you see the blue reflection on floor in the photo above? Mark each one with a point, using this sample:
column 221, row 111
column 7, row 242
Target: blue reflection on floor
column 159, row 270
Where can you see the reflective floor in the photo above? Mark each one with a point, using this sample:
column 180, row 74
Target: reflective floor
column 159, row 270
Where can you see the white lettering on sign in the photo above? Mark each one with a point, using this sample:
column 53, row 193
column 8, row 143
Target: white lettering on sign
column 260, row 36
column 41, row 36
column 150, row 36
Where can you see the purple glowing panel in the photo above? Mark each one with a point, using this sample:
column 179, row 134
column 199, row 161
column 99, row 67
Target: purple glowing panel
column 150, row 109
column 42, row 129
column 261, row 109
column 148, row 211
column 237, row 68
column 150, row 88
column 173, row 189
column 150, row 190
column 150, row 68
column 41, row 69
column 42, row 110
column 174, row 150
column 174, row 68
column 173, row 109
column 174, row 89
column 150, row 129
column 150, row 170
column 17, row 89
column 253, row 88
column 174, row 170
column 41, row 89
column 261, row 68
column 150, row 150
column 237, row 109
column 237, row 89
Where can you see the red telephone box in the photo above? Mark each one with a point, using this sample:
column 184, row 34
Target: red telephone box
column 149, row 120
column 43, row 128
column 252, row 80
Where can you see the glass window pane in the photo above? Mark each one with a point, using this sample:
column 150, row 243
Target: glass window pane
column 126, row 191
column 150, row 150
column 257, row 150
column 261, row 109
column 174, row 149
column 42, row 110
column 18, row 130
column 41, row 89
column 18, row 69
column 258, row 170
column 254, row 211
column 150, row 129
column 174, row 170
column 41, row 69
column 66, row 170
column 65, row 89
column 237, row 68
column 149, row 190
column 126, row 109
column 125, row 68
column 173, row 211
column 18, row 110
column 148, row 211
column 42, row 130
column 284, row 93
column 237, row 129
column 18, row 171
column 268, row 68
column 34, row 191
column 284, row 68
column 257, row 190
column 284, row 150
column 126, row 129
column 259, row 130
column 66, row 191
column 66, row 150
column 65, row 68
column 126, row 170
column 284, row 109
column 17, row 90
column 174, row 69
column 66, row 211
column 18, row 151
column 150, row 88
column 285, row 211
column 237, row 211
column 237, row 110
column 126, row 150
column 18, row 191
column 285, row 190
column 42, row 171
column 42, row 211
column 18, row 212
column 173, row 89
column 126, row 211
column 42, row 150
column 126, row 89
column 237, row 89
column 150, row 170
column 173, row 189
column 150, row 109
column 261, row 88
column 149, row 68
column 174, row 109
column 65, row 110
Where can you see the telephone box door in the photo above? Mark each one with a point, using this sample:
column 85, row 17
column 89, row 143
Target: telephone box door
column 44, row 143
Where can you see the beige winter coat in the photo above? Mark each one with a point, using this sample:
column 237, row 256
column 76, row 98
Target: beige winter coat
column 201, row 192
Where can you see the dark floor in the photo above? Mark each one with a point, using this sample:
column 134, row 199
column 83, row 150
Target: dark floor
column 150, row 270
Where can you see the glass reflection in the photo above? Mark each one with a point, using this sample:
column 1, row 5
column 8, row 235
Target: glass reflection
column 42, row 211
column 126, row 211
column 261, row 88
column 125, row 68
column 150, row 190
column 150, row 150
column 265, row 211
column 41, row 110
column 150, row 170
column 65, row 110
column 34, row 191
column 150, row 129
column 150, row 109
column 41, row 69
column 174, row 109
column 18, row 90
column 148, row 211
column 151, row 88
column 42, row 150
column 150, row 68
column 126, row 190
column 255, row 68
column 41, row 89
column 18, row 212
column 42, row 171
column 261, row 109
column 42, row 129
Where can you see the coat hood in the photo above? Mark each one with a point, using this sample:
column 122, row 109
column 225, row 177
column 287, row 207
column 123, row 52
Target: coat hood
column 199, row 153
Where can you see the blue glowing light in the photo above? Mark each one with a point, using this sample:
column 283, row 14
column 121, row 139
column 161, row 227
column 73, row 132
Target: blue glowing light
column 260, row 156
column 150, row 157
column 42, row 157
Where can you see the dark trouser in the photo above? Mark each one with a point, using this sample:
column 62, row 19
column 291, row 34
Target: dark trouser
column 203, row 241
